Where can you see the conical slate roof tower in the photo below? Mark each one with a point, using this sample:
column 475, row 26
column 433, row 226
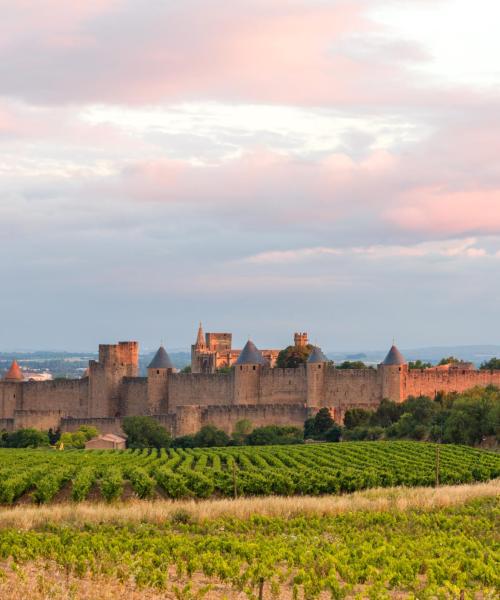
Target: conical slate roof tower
column 161, row 360
column 317, row 356
column 251, row 355
column 394, row 358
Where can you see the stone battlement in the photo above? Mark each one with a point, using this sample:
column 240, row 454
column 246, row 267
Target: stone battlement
column 252, row 389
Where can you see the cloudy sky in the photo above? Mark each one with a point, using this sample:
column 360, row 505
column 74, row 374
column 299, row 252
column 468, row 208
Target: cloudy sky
column 262, row 165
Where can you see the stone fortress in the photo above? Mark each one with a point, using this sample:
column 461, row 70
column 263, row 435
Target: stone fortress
column 252, row 388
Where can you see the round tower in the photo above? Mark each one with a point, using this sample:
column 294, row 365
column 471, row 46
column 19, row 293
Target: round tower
column 14, row 374
column 392, row 371
column 158, row 372
column 316, row 370
column 247, row 370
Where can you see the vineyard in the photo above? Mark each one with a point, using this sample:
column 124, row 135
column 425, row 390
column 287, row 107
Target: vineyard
column 42, row 476
column 449, row 552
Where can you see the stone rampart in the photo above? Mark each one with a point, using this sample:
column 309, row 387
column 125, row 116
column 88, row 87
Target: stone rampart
column 38, row 419
column 69, row 396
column 7, row 424
column 199, row 389
column 283, row 386
column 133, row 396
column 428, row 382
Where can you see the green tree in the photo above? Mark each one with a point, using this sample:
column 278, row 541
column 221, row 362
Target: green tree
column 210, row 436
column 145, row 432
column 323, row 421
column 421, row 408
column 274, row 435
column 88, row 431
column 356, row 417
column 26, row 438
column 333, row 434
column 449, row 360
column 419, row 364
column 293, row 356
column 491, row 365
column 309, row 428
column 352, row 364
column 184, row 441
column 387, row 413
column 242, row 429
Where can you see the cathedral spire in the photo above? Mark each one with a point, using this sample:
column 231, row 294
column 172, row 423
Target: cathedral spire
column 200, row 340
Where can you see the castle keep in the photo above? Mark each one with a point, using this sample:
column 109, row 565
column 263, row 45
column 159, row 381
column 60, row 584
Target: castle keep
column 251, row 389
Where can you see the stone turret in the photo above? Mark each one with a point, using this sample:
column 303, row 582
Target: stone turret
column 300, row 339
column 316, row 371
column 247, row 371
column 14, row 374
column 392, row 371
column 116, row 361
column 158, row 372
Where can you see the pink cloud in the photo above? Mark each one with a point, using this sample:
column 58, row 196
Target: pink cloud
column 436, row 210
column 257, row 51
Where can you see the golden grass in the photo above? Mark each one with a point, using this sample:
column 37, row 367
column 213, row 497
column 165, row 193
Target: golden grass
column 380, row 499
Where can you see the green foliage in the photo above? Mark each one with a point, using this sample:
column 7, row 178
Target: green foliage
column 242, row 429
column 361, row 433
column 143, row 484
column 387, row 413
column 145, row 432
column 323, row 421
column 24, row 438
column 352, row 364
column 293, row 356
column 441, row 553
column 275, row 435
column 356, row 417
column 184, row 441
column 112, row 484
column 322, row 427
column 333, row 434
column 326, row 468
column 419, row 364
column 449, row 360
column 82, row 483
column 491, row 365
column 210, row 436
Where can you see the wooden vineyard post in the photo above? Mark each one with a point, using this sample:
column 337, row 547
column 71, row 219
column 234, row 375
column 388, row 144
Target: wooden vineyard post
column 438, row 449
column 261, row 588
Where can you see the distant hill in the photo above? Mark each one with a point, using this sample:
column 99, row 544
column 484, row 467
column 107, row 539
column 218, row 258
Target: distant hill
column 433, row 354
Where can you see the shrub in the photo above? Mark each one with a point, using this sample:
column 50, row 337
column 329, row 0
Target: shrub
column 145, row 432
column 112, row 484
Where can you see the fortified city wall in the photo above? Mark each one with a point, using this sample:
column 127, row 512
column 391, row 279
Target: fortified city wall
column 251, row 389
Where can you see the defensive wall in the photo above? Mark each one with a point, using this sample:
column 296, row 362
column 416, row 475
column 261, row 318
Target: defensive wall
column 184, row 402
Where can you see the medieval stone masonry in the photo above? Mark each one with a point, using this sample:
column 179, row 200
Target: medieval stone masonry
column 252, row 388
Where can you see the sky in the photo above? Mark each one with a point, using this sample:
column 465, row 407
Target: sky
column 264, row 166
